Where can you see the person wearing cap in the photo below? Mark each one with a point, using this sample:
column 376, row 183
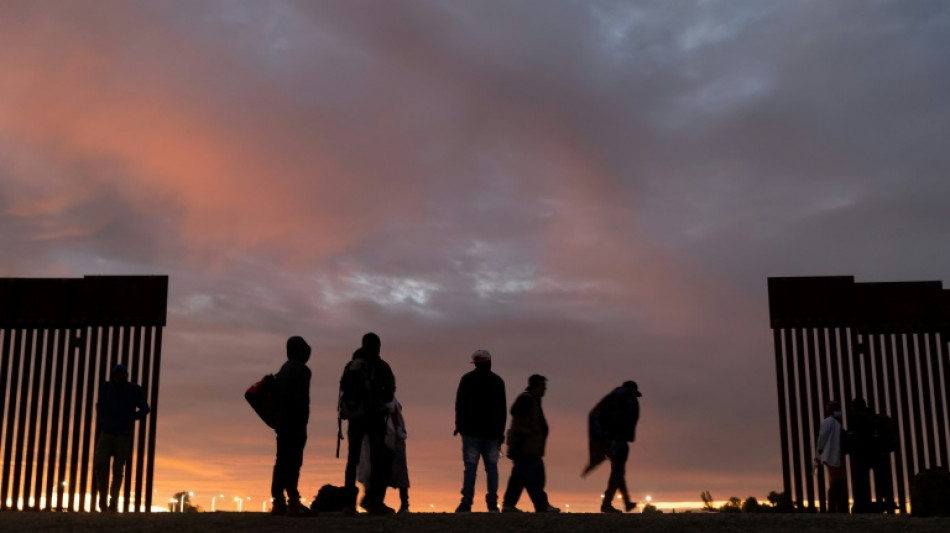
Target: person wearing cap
column 293, row 411
column 612, row 424
column 480, row 417
column 120, row 404
column 526, row 439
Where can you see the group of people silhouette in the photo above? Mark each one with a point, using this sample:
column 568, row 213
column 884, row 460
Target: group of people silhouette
column 376, row 436
column 869, row 439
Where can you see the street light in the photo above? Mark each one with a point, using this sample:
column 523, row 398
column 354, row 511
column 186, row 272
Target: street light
column 215, row 498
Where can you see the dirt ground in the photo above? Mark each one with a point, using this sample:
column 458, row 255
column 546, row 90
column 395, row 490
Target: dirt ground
column 471, row 523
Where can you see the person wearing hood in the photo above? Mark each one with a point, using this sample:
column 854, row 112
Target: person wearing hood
column 481, row 412
column 611, row 425
column 369, row 421
column 830, row 454
column 293, row 396
column 120, row 404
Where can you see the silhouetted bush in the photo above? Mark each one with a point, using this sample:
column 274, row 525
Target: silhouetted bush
column 751, row 505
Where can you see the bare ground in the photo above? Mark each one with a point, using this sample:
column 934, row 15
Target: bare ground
column 471, row 523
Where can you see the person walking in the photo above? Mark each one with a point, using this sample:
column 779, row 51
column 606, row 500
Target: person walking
column 366, row 386
column 611, row 425
column 293, row 414
column 120, row 404
column 480, row 417
column 829, row 454
column 526, row 440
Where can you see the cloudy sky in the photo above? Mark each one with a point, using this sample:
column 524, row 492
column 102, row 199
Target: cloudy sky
column 592, row 190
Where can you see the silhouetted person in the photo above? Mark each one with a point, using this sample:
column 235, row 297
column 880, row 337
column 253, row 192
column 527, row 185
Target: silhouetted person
column 861, row 447
column 883, row 443
column 526, row 439
column 395, row 440
column 612, row 423
column 830, row 454
column 369, row 420
column 481, row 411
column 120, row 404
column 293, row 413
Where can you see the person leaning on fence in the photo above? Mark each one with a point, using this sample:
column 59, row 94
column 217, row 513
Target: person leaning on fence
column 829, row 454
column 481, row 411
column 861, row 447
column 120, row 404
column 526, row 440
column 612, row 423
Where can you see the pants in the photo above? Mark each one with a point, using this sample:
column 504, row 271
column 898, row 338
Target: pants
column 290, row 445
column 527, row 474
column 618, row 452
column 118, row 448
column 837, row 489
column 883, row 484
column 861, row 484
column 489, row 451
column 381, row 457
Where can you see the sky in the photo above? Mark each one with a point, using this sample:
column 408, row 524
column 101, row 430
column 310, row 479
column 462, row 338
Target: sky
column 594, row 191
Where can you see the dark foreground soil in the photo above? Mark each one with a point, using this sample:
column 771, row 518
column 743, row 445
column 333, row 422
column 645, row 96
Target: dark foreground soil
column 473, row 523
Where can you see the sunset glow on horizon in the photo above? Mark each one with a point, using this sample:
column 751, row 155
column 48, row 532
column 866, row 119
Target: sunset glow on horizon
column 593, row 191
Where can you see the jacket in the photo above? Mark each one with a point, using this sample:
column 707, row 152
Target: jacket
column 293, row 393
column 119, row 406
column 529, row 429
column 615, row 417
column 480, row 404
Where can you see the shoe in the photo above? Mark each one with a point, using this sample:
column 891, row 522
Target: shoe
column 296, row 510
column 629, row 506
column 278, row 509
column 379, row 509
column 510, row 509
column 493, row 508
column 403, row 509
column 349, row 510
column 463, row 508
column 607, row 508
column 549, row 509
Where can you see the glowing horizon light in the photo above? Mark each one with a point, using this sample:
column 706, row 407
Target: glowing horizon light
column 649, row 498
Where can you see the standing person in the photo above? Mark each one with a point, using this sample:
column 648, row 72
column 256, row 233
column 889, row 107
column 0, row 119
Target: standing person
column 293, row 413
column 120, row 404
column 861, row 447
column 526, row 439
column 829, row 454
column 612, row 423
column 366, row 386
column 396, row 441
column 481, row 412
column 886, row 440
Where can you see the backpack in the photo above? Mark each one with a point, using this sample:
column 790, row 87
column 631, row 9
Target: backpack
column 332, row 498
column 263, row 399
column 356, row 389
